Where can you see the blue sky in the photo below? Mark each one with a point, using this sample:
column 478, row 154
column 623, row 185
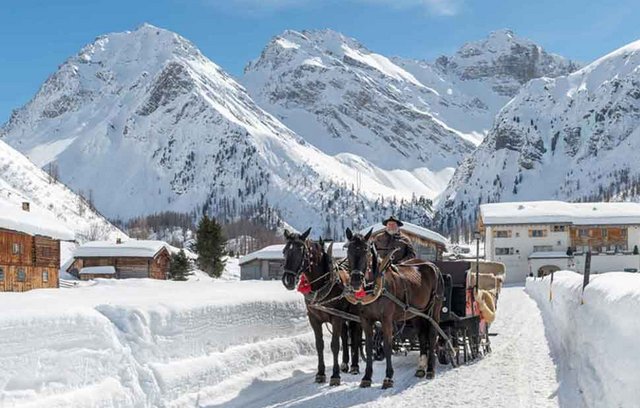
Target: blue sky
column 36, row 36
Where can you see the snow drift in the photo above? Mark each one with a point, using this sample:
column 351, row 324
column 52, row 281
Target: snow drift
column 142, row 342
column 595, row 342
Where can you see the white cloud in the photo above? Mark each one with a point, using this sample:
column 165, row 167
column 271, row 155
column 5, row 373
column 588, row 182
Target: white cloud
column 438, row 7
column 433, row 7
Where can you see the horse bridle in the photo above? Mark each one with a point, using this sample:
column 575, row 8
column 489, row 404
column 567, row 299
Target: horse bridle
column 371, row 251
column 305, row 266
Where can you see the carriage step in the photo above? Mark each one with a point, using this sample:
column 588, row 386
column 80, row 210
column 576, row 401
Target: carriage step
column 493, row 334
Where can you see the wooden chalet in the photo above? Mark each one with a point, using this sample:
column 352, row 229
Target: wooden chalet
column 121, row 260
column 29, row 247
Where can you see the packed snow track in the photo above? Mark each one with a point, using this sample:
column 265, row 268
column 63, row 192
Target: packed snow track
column 518, row 373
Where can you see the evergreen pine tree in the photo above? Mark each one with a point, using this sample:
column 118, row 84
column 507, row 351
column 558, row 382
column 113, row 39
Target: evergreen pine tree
column 179, row 267
column 210, row 243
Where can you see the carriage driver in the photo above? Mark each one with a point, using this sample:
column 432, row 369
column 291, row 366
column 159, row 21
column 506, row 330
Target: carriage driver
column 392, row 239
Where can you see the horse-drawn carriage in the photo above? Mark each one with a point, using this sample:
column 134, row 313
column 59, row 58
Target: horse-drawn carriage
column 463, row 318
column 442, row 309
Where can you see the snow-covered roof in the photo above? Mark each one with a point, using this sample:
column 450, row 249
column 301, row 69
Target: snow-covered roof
column 36, row 221
column 130, row 248
column 98, row 270
column 414, row 229
column 274, row 252
column 543, row 212
column 548, row 255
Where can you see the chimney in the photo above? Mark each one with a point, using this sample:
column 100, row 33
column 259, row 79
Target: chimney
column 118, row 240
column 25, row 206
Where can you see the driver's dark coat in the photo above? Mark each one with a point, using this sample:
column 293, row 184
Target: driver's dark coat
column 387, row 242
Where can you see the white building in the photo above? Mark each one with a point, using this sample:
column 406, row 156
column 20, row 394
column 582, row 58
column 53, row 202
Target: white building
column 539, row 237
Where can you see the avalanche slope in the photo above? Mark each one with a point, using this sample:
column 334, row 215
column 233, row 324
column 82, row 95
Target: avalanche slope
column 518, row 373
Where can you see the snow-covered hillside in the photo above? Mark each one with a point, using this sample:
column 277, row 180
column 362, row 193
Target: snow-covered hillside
column 571, row 138
column 21, row 180
column 148, row 124
column 398, row 113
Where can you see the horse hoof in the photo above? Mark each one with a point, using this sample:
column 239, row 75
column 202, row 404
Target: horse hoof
column 334, row 381
column 431, row 375
column 321, row 378
column 387, row 383
column 354, row 370
column 344, row 367
column 365, row 383
column 420, row 373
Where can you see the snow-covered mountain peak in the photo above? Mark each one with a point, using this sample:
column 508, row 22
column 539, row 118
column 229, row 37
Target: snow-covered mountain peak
column 505, row 60
column 571, row 138
column 149, row 124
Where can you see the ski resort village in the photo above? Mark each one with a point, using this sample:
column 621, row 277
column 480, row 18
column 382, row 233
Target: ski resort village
column 236, row 206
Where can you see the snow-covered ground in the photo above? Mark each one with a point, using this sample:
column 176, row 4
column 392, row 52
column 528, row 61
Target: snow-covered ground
column 594, row 336
column 518, row 373
column 142, row 342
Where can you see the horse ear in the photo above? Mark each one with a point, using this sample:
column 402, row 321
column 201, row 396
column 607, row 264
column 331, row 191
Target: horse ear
column 330, row 250
column 287, row 234
column 349, row 234
column 321, row 242
column 366, row 237
column 305, row 234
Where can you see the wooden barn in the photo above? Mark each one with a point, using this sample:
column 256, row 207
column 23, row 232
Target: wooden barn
column 429, row 245
column 121, row 260
column 29, row 247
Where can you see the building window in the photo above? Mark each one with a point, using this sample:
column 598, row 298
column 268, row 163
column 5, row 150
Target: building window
column 17, row 248
column 603, row 232
column 558, row 228
column 537, row 233
column 22, row 276
column 583, row 232
column 504, row 251
column 542, row 248
column 45, row 276
column 623, row 232
column 1, row 275
column 503, row 234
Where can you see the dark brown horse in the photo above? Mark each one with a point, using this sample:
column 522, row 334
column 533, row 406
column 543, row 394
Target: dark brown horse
column 302, row 256
column 420, row 286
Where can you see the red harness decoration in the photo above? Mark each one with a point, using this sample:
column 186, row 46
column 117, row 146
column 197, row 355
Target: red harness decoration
column 360, row 293
column 304, row 286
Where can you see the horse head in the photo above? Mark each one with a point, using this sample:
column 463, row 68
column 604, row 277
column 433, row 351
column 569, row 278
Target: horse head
column 358, row 257
column 296, row 257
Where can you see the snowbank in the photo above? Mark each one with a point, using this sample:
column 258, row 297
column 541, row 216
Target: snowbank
column 595, row 343
column 142, row 342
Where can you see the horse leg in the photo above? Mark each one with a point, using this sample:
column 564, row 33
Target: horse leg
column 367, row 327
column 387, row 337
column 423, row 335
column 336, row 324
column 356, row 342
column 344, row 367
column 316, row 325
column 433, row 338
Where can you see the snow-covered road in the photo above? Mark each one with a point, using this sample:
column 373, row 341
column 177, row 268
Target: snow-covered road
column 518, row 373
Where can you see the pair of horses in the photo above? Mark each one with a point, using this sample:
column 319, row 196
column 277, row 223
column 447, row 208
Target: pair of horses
column 416, row 283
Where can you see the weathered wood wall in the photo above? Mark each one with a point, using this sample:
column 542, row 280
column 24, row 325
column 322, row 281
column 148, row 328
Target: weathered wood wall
column 38, row 257
column 127, row 267
column 34, row 278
